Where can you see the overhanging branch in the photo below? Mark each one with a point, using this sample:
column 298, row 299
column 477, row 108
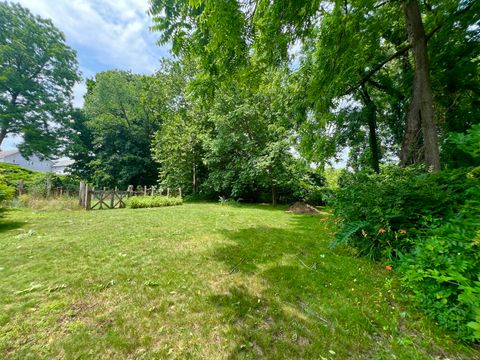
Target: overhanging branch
column 366, row 77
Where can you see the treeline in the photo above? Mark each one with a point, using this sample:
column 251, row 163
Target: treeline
column 237, row 142
column 258, row 93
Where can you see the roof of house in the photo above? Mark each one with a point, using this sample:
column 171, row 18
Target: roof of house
column 63, row 162
column 6, row 153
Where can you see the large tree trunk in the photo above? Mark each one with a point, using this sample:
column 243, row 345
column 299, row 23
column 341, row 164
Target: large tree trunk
column 420, row 113
column 3, row 135
column 372, row 130
column 274, row 194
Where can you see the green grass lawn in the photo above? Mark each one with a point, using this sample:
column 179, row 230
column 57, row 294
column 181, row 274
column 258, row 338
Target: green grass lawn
column 199, row 281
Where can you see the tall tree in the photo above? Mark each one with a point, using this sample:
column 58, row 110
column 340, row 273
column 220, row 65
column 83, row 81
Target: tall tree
column 355, row 43
column 122, row 126
column 420, row 113
column 37, row 72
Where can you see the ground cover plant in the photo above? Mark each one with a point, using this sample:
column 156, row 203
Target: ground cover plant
column 199, row 281
column 137, row 202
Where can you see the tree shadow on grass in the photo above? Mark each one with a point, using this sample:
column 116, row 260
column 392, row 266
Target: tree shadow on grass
column 7, row 225
column 262, row 328
column 309, row 294
column 255, row 246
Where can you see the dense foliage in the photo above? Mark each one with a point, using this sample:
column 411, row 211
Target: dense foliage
column 44, row 184
column 14, row 178
column 443, row 270
column 37, row 74
column 383, row 214
column 137, row 202
column 14, row 173
column 6, row 191
column 111, row 141
column 427, row 225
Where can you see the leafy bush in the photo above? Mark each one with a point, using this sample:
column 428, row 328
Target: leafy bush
column 428, row 224
column 136, row 202
column 443, row 271
column 14, row 173
column 37, row 187
column 396, row 207
column 6, row 191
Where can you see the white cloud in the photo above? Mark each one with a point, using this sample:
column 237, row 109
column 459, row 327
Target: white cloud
column 108, row 34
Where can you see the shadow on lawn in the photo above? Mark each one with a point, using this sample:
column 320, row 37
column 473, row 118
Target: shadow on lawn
column 292, row 316
column 6, row 225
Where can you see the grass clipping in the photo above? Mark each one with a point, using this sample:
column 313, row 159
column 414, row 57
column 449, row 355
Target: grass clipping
column 302, row 208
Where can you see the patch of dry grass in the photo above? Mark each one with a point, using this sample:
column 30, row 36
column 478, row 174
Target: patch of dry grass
column 58, row 203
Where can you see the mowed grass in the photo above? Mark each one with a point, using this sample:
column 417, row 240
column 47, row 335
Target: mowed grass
column 199, row 281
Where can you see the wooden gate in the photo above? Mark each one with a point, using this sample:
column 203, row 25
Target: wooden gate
column 105, row 199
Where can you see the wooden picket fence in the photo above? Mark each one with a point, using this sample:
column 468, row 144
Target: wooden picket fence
column 94, row 199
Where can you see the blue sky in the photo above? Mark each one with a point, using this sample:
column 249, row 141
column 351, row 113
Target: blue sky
column 107, row 34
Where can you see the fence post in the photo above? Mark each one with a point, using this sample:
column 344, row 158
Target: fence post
column 180, row 192
column 21, row 187
column 168, row 192
column 153, row 191
column 81, row 194
column 112, row 200
column 145, row 190
column 49, row 187
column 88, row 198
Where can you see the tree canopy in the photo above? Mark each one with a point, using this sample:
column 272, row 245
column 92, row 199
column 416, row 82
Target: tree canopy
column 111, row 142
column 37, row 72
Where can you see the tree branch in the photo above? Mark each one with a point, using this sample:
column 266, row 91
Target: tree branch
column 366, row 77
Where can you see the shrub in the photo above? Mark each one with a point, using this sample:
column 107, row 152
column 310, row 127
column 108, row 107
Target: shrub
column 382, row 214
column 428, row 224
column 443, row 271
column 37, row 187
column 136, row 202
column 14, row 173
column 6, row 191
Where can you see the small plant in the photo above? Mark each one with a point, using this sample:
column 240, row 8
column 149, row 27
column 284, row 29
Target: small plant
column 137, row 202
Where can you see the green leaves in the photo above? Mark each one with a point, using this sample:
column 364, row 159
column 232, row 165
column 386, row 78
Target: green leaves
column 137, row 202
column 347, row 231
column 121, row 124
column 38, row 71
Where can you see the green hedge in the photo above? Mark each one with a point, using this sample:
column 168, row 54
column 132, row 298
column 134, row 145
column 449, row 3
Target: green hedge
column 152, row 201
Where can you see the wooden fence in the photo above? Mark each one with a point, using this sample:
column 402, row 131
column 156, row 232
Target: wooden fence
column 94, row 199
column 50, row 190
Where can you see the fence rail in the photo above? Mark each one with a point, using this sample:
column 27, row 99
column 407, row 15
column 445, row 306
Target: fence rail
column 94, row 199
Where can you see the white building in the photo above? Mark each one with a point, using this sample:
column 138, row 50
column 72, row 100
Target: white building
column 35, row 163
column 61, row 166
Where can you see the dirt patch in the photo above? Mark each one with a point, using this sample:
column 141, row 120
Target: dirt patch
column 302, row 208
